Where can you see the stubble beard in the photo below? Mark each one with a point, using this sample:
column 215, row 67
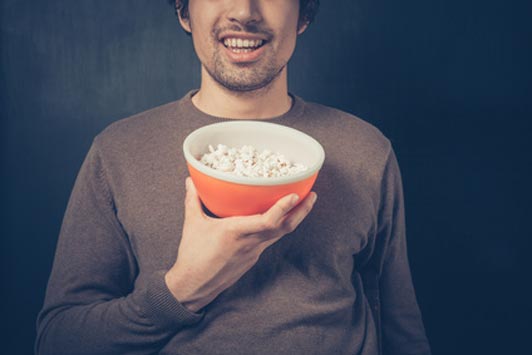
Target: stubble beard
column 244, row 77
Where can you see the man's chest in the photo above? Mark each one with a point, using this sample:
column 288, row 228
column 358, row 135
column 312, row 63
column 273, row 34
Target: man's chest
column 339, row 227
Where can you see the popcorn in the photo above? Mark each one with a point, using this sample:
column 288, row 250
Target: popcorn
column 247, row 161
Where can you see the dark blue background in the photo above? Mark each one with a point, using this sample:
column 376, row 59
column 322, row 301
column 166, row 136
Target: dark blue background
column 449, row 82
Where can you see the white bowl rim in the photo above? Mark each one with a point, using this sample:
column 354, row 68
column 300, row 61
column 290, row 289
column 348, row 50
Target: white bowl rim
column 243, row 180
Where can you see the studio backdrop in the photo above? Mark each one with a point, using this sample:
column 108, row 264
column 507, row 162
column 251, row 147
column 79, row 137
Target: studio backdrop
column 448, row 82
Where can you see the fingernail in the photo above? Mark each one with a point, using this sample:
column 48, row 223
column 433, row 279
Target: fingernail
column 314, row 198
column 294, row 199
column 187, row 183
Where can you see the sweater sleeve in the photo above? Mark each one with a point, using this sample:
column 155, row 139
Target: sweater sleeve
column 402, row 326
column 92, row 305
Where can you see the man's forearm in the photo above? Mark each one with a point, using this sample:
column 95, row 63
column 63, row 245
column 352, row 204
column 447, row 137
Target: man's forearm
column 140, row 323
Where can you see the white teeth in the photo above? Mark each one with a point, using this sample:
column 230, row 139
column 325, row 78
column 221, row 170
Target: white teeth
column 242, row 43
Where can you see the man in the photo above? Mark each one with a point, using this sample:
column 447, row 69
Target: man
column 136, row 273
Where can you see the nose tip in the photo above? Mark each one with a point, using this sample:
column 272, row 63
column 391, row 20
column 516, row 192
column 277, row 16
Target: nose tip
column 244, row 12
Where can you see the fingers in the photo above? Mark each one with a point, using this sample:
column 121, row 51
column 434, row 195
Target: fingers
column 193, row 207
column 298, row 214
column 275, row 214
column 273, row 218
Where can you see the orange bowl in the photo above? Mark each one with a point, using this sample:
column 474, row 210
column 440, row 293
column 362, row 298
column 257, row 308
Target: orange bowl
column 225, row 194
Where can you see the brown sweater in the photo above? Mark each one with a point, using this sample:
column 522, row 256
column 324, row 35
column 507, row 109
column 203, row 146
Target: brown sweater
column 121, row 231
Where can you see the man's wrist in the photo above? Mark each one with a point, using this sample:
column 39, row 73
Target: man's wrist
column 178, row 287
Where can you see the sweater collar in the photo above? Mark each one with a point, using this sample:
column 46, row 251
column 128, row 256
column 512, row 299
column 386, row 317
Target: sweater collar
column 295, row 111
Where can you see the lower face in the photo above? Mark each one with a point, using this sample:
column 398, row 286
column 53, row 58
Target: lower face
column 244, row 70
column 249, row 66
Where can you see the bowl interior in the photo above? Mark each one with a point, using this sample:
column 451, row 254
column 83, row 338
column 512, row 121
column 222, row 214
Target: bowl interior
column 296, row 146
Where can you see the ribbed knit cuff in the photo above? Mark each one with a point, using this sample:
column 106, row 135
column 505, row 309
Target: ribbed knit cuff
column 163, row 305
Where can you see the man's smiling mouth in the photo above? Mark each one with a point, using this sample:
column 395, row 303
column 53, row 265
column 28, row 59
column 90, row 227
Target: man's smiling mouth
column 242, row 45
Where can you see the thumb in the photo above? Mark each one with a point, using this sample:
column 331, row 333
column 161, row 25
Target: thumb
column 192, row 201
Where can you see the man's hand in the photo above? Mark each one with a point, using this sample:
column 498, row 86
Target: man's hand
column 214, row 253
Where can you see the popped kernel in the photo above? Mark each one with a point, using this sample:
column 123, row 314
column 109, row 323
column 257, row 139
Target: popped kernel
column 248, row 162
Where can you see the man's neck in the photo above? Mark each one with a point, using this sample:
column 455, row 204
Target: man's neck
column 268, row 102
